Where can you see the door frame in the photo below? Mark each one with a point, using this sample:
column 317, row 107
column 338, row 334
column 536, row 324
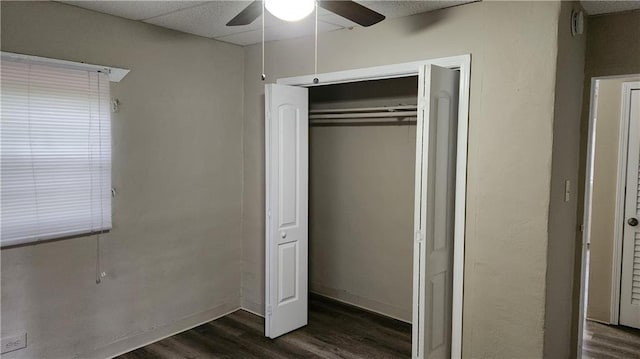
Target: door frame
column 463, row 64
column 623, row 141
column 619, row 210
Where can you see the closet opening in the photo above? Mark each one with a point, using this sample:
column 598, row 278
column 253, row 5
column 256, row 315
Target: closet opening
column 362, row 152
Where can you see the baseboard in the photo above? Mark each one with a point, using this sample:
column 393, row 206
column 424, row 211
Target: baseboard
column 155, row 334
column 252, row 312
column 598, row 321
column 342, row 297
column 252, row 307
column 361, row 302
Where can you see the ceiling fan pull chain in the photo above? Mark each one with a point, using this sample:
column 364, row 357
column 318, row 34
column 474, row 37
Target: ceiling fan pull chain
column 315, row 67
column 263, row 77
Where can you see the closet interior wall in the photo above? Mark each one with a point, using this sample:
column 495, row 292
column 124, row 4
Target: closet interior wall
column 361, row 197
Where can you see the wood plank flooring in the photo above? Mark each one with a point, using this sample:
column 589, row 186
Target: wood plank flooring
column 610, row 342
column 335, row 330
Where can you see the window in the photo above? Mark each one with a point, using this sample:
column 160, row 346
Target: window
column 56, row 151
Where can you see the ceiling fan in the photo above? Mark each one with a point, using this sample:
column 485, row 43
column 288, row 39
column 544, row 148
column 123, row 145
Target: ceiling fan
column 293, row 10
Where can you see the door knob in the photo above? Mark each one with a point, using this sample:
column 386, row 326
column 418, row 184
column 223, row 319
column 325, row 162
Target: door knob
column 284, row 234
column 632, row 221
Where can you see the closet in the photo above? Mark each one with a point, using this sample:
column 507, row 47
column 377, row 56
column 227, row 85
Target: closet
column 362, row 158
column 361, row 205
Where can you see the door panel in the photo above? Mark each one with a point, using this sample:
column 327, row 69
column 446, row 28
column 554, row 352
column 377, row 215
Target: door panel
column 286, row 237
column 435, row 189
column 630, row 285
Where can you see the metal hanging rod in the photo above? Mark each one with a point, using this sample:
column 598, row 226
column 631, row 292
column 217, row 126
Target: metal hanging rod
column 364, row 120
column 368, row 115
column 366, row 109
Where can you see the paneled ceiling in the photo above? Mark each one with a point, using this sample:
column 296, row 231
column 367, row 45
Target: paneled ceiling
column 597, row 7
column 208, row 18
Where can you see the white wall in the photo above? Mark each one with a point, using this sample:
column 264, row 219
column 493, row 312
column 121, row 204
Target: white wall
column 510, row 145
column 173, row 256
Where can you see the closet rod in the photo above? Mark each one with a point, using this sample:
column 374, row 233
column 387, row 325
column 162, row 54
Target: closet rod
column 363, row 120
column 366, row 109
column 363, row 115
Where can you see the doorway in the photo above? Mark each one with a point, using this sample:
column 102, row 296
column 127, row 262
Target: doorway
column 610, row 302
column 437, row 263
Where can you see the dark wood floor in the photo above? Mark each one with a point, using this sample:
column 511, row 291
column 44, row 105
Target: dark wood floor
column 607, row 341
column 335, row 330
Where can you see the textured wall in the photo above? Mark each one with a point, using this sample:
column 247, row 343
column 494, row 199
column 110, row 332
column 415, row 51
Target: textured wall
column 173, row 256
column 510, row 143
column 562, row 214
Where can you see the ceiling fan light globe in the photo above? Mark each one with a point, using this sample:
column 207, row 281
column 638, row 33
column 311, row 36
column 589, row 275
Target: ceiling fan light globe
column 290, row 10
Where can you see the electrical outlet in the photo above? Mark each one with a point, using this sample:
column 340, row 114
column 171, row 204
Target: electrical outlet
column 15, row 342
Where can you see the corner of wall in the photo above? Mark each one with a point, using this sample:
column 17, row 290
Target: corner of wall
column 562, row 223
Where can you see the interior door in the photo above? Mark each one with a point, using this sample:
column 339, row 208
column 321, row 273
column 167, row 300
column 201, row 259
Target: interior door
column 287, row 168
column 434, row 211
column 630, row 285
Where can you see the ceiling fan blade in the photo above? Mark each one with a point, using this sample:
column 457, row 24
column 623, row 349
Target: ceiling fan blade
column 353, row 11
column 248, row 15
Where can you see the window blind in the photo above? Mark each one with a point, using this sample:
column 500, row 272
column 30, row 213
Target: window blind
column 56, row 152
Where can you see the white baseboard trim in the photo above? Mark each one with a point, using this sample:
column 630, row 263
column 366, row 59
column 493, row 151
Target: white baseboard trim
column 360, row 302
column 252, row 307
column 153, row 335
column 252, row 312
column 598, row 321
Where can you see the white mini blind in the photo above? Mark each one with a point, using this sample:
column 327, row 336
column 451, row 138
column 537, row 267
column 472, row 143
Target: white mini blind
column 56, row 152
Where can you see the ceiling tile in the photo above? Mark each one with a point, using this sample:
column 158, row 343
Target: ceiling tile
column 210, row 19
column 393, row 9
column 134, row 10
column 281, row 31
column 595, row 7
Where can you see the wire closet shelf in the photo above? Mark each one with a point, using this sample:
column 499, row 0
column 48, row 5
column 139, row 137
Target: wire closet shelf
column 401, row 114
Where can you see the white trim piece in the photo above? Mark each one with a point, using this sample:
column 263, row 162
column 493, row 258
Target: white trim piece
column 586, row 221
column 417, row 325
column 460, row 206
column 116, row 74
column 375, row 73
column 463, row 64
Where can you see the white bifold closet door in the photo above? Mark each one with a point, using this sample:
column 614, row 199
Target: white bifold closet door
column 434, row 211
column 630, row 284
column 287, row 172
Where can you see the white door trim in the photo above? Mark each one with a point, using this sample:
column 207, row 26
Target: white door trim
column 463, row 64
column 588, row 192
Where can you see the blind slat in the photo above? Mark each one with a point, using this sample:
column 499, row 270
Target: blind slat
column 55, row 151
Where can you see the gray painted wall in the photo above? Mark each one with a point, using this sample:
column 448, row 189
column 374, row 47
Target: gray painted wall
column 173, row 256
column 510, row 144
column 361, row 200
column 562, row 214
